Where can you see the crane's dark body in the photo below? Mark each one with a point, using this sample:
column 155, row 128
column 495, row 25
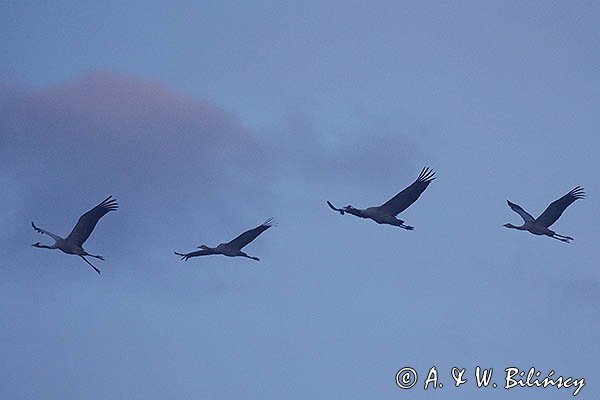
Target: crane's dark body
column 80, row 233
column 387, row 212
column 540, row 225
column 232, row 248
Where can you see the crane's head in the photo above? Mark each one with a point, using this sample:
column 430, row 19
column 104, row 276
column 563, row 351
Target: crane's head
column 348, row 208
column 41, row 246
column 510, row 226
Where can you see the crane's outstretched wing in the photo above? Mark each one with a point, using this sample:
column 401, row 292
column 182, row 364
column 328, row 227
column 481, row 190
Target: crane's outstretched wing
column 248, row 236
column 335, row 209
column 42, row 231
column 519, row 210
column 405, row 198
column 187, row 256
column 87, row 222
column 556, row 208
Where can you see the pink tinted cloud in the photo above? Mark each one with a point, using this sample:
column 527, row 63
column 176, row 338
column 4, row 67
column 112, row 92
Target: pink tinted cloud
column 109, row 130
column 122, row 111
column 144, row 143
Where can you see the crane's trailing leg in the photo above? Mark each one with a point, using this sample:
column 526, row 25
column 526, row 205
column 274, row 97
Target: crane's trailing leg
column 247, row 256
column 95, row 256
column 566, row 239
column 90, row 264
column 400, row 223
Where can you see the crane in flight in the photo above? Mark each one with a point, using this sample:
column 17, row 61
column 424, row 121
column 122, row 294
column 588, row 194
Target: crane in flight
column 540, row 225
column 232, row 248
column 82, row 230
column 387, row 212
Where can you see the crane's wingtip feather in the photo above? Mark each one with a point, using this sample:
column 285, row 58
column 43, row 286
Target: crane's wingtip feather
column 269, row 223
column 427, row 175
column 109, row 204
column 578, row 192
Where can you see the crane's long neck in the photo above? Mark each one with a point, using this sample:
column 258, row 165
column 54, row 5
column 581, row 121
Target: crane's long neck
column 44, row 246
column 511, row 226
column 355, row 211
column 205, row 247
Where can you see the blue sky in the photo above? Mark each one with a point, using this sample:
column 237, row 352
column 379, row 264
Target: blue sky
column 203, row 120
